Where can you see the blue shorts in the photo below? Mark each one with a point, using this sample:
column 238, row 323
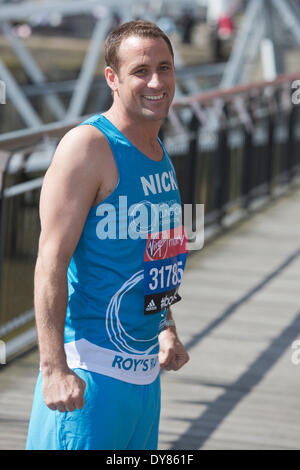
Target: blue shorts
column 116, row 416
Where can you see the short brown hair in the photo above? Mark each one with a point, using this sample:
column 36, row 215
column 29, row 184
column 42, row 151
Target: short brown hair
column 140, row 28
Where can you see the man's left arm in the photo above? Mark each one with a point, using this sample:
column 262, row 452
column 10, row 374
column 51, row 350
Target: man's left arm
column 172, row 354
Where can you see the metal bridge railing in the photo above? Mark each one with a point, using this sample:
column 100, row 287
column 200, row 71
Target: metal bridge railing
column 239, row 145
column 230, row 148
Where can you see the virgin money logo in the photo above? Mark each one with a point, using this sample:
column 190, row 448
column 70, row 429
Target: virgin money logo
column 157, row 249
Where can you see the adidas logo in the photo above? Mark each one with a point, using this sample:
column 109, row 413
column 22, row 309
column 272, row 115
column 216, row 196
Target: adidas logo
column 151, row 306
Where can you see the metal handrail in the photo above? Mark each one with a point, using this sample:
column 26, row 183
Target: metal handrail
column 236, row 90
column 16, row 140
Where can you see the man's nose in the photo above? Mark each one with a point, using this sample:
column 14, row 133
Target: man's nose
column 154, row 81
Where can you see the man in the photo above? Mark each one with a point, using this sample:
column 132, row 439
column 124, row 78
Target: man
column 104, row 280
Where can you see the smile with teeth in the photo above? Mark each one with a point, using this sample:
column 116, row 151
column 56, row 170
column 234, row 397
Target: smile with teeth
column 154, row 97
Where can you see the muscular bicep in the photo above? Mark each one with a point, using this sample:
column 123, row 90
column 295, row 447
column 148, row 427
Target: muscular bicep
column 68, row 192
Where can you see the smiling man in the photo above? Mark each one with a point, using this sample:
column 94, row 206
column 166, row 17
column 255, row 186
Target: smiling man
column 102, row 303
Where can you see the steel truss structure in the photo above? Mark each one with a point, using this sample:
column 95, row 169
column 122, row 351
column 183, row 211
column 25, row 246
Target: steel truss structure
column 13, row 13
column 265, row 22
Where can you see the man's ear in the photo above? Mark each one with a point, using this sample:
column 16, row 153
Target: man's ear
column 111, row 78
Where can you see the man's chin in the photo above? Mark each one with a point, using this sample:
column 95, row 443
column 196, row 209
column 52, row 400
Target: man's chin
column 155, row 116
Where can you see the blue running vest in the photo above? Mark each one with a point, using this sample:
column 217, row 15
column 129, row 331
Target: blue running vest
column 127, row 267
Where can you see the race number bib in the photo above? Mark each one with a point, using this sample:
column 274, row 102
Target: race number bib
column 164, row 262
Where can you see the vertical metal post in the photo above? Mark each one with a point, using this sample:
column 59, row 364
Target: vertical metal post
column 194, row 128
column 247, row 168
column 291, row 151
column 247, row 121
column 270, row 152
column 4, row 160
column 222, row 170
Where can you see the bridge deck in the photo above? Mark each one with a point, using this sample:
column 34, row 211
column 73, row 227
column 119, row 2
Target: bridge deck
column 239, row 316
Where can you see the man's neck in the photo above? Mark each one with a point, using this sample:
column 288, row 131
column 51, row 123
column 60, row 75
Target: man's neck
column 142, row 134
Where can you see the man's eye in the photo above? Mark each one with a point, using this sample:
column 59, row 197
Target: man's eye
column 140, row 71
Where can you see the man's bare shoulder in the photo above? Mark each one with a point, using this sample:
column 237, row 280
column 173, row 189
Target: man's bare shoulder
column 83, row 158
column 81, row 145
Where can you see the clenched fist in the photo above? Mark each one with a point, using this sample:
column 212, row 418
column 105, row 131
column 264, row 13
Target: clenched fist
column 63, row 391
column 172, row 354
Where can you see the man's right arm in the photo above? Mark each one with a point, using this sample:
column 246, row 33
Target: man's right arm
column 69, row 189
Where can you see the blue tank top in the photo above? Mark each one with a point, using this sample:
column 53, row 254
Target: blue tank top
column 127, row 267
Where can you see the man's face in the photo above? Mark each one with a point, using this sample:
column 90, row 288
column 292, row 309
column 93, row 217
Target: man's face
column 145, row 82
